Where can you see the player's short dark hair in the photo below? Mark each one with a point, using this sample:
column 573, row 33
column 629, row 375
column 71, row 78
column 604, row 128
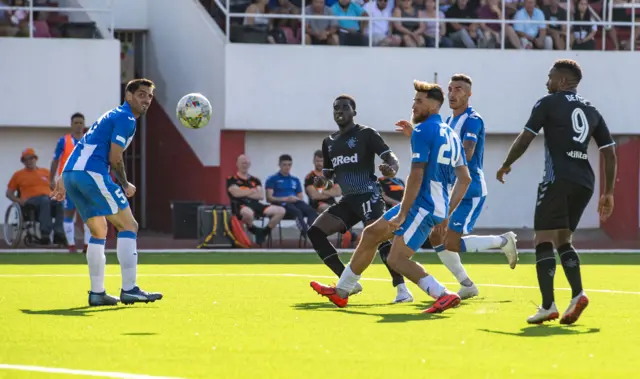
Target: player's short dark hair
column 76, row 115
column 351, row 100
column 433, row 91
column 285, row 158
column 462, row 78
column 134, row 84
column 569, row 66
column 318, row 154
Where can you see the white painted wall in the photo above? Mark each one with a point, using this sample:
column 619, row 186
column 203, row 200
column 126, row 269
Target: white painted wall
column 292, row 86
column 185, row 53
column 13, row 140
column 46, row 80
column 508, row 206
column 125, row 14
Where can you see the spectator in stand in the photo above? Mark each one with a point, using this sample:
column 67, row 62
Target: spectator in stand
column 285, row 190
column 532, row 35
column 583, row 35
column 411, row 32
column 20, row 18
column 623, row 15
column 420, row 5
column 32, row 183
column 463, row 34
column 350, row 31
column 511, row 7
column 288, row 26
column 321, row 32
column 7, row 28
column 318, row 199
column 430, row 27
column 381, row 28
column 491, row 11
column 255, row 22
column 246, row 194
column 557, row 32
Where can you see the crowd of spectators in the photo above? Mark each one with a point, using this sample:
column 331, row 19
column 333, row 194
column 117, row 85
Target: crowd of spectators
column 547, row 34
column 46, row 24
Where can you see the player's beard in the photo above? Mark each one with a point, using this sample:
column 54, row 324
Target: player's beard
column 418, row 118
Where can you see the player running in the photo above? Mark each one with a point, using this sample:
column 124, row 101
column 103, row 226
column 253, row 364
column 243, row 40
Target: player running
column 436, row 157
column 569, row 121
column 349, row 160
column 64, row 147
column 469, row 126
column 86, row 181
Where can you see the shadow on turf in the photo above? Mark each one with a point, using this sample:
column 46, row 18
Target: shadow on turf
column 140, row 334
column 545, row 331
column 384, row 317
column 75, row 311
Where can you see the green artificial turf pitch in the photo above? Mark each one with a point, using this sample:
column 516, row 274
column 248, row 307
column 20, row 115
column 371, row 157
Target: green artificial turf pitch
column 254, row 316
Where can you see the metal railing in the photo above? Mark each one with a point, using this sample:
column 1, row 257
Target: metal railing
column 597, row 21
column 30, row 9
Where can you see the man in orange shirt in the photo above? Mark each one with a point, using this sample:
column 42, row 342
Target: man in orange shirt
column 64, row 147
column 32, row 183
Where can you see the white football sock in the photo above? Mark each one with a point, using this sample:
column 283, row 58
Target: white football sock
column 482, row 243
column 452, row 262
column 87, row 234
column 347, row 280
column 69, row 232
column 431, row 286
column 97, row 262
column 128, row 258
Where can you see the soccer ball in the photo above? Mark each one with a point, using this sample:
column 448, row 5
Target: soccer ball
column 194, row 111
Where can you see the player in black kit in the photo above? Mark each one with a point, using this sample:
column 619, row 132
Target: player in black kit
column 569, row 121
column 349, row 160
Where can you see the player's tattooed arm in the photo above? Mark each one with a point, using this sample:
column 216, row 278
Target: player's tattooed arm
column 414, row 181
column 469, row 148
column 118, row 170
column 519, row 146
column 391, row 164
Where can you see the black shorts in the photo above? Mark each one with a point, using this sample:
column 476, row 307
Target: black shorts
column 560, row 205
column 352, row 209
column 257, row 207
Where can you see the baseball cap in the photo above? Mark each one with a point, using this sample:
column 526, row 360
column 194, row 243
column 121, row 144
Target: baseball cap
column 28, row 152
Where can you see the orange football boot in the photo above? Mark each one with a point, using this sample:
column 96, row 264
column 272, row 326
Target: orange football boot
column 444, row 302
column 330, row 293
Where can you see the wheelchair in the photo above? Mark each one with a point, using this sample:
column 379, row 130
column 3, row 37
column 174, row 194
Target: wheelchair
column 21, row 225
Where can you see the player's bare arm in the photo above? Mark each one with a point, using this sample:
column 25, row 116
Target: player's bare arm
column 519, row 146
column 391, row 164
column 116, row 159
column 605, row 205
column 463, row 180
column 469, row 148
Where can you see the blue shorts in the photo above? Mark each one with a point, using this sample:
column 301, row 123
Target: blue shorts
column 416, row 227
column 465, row 216
column 68, row 204
column 94, row 194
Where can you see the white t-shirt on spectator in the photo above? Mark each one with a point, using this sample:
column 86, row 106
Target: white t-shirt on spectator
column 380, row 28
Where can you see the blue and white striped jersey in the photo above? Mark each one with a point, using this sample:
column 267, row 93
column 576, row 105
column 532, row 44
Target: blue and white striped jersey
column 469, row 125
column 92, row 152
column 436, row 144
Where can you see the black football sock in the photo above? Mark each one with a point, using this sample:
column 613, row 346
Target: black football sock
column 571, row 265
column 384, row 249
column 326, row 251
column 546, row 269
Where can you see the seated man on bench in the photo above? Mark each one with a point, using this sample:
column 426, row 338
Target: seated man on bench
column 246, row 195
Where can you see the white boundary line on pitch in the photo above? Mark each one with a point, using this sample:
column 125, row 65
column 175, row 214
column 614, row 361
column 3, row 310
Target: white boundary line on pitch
column 102, row 374
column 307, row 276
column 288, row 251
